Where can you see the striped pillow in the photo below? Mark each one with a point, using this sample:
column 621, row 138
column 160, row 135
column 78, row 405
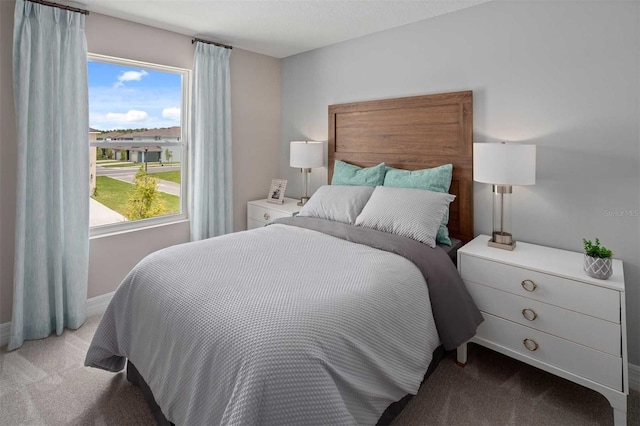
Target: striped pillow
column 340, row 203
column 436, row 179
column 409, row 212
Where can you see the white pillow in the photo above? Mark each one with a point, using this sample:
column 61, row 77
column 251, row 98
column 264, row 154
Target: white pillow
column 339, row 203
column 409, row 212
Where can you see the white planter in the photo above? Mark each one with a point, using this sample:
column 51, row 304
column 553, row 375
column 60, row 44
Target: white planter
column 597, row 267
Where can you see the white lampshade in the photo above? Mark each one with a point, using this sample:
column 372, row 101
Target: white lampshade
column 504, row 163
column 306, row 155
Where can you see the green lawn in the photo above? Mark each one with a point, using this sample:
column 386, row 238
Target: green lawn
column 170, row 176
column 115, row 193
column 130, row 164
column 126, row 164
column 165, row 164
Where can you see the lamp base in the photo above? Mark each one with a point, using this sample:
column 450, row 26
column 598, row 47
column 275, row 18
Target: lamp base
column 502, row 240
column 303, row 201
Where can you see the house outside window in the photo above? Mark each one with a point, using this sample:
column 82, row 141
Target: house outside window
column 138, row 143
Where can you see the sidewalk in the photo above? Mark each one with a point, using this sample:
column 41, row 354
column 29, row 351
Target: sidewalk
column 99, row 214
column 165, row 186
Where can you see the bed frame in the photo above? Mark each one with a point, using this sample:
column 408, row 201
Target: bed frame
column 408, row 133
column 412, row 133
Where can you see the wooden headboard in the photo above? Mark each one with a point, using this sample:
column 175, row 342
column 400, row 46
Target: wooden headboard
column 412, row 133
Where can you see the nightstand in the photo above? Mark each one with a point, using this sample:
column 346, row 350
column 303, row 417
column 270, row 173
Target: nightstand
column 541, row 308
column 260, row 212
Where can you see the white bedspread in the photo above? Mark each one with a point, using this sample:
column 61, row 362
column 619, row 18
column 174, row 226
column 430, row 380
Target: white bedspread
column 276, row 326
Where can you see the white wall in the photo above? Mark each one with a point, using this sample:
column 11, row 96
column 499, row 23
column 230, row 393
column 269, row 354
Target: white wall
column 255, row 94
column 255, row 111
column 562, row 75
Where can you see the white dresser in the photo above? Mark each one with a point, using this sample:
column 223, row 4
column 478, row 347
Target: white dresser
column 261, row 212
column 541, row 308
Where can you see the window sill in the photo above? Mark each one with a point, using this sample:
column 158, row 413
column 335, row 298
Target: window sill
column 120, row 230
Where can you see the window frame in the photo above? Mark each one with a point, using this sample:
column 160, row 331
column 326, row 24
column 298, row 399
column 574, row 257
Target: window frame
column 134, row 225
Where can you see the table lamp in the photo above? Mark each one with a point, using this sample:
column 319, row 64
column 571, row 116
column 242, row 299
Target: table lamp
column 305, row 155
column 503, row 165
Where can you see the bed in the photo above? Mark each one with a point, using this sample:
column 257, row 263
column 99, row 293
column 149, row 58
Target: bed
column 306, row 321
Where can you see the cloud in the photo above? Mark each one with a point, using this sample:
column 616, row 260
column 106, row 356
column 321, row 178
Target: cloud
column 129, row 76
column 171, row 113
column 131, row 116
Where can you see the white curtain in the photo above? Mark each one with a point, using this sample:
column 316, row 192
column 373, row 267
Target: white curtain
column 52, row 218
column 210, row 159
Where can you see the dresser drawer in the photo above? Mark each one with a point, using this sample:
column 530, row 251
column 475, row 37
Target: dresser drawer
column 577, row 296
column 570, row 325
column 589, row 363
column 264, row 215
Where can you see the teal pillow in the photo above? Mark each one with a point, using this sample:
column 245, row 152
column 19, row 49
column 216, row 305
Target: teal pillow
column 348, row 174
column 437, row 179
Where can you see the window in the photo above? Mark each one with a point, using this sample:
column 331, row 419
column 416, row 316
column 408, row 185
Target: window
column 137, row 142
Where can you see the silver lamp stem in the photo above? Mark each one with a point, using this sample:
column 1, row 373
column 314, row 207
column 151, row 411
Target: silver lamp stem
column 305, row 178
column 502, row 213
column 502, row 237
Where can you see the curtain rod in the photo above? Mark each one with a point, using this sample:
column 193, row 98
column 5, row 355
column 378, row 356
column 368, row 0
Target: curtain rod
column 60, row 6
column 226, row 46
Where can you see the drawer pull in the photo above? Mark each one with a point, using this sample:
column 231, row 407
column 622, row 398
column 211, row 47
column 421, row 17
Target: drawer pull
column 266, row 216
column 529, row 314
column 531, row 344
column 529, row 285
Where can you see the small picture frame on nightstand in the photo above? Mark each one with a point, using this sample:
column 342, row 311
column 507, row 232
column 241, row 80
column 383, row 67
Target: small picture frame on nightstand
column 276, row 191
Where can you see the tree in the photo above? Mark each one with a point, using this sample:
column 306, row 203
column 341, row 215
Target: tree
column 109, row 153
column 145, row 200
column 168, row 155
column 123, row 155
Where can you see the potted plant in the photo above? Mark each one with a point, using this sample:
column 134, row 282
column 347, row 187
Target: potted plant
column 597, row 260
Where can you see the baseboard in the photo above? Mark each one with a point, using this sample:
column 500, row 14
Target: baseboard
column 95, row 306
column 634, row 377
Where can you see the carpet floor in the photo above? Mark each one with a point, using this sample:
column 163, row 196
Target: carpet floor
column 45, row 383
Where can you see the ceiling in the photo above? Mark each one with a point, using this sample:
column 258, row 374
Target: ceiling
column 274, row 28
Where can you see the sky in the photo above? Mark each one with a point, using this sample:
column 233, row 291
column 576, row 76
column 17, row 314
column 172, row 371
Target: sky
column 121, row 97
